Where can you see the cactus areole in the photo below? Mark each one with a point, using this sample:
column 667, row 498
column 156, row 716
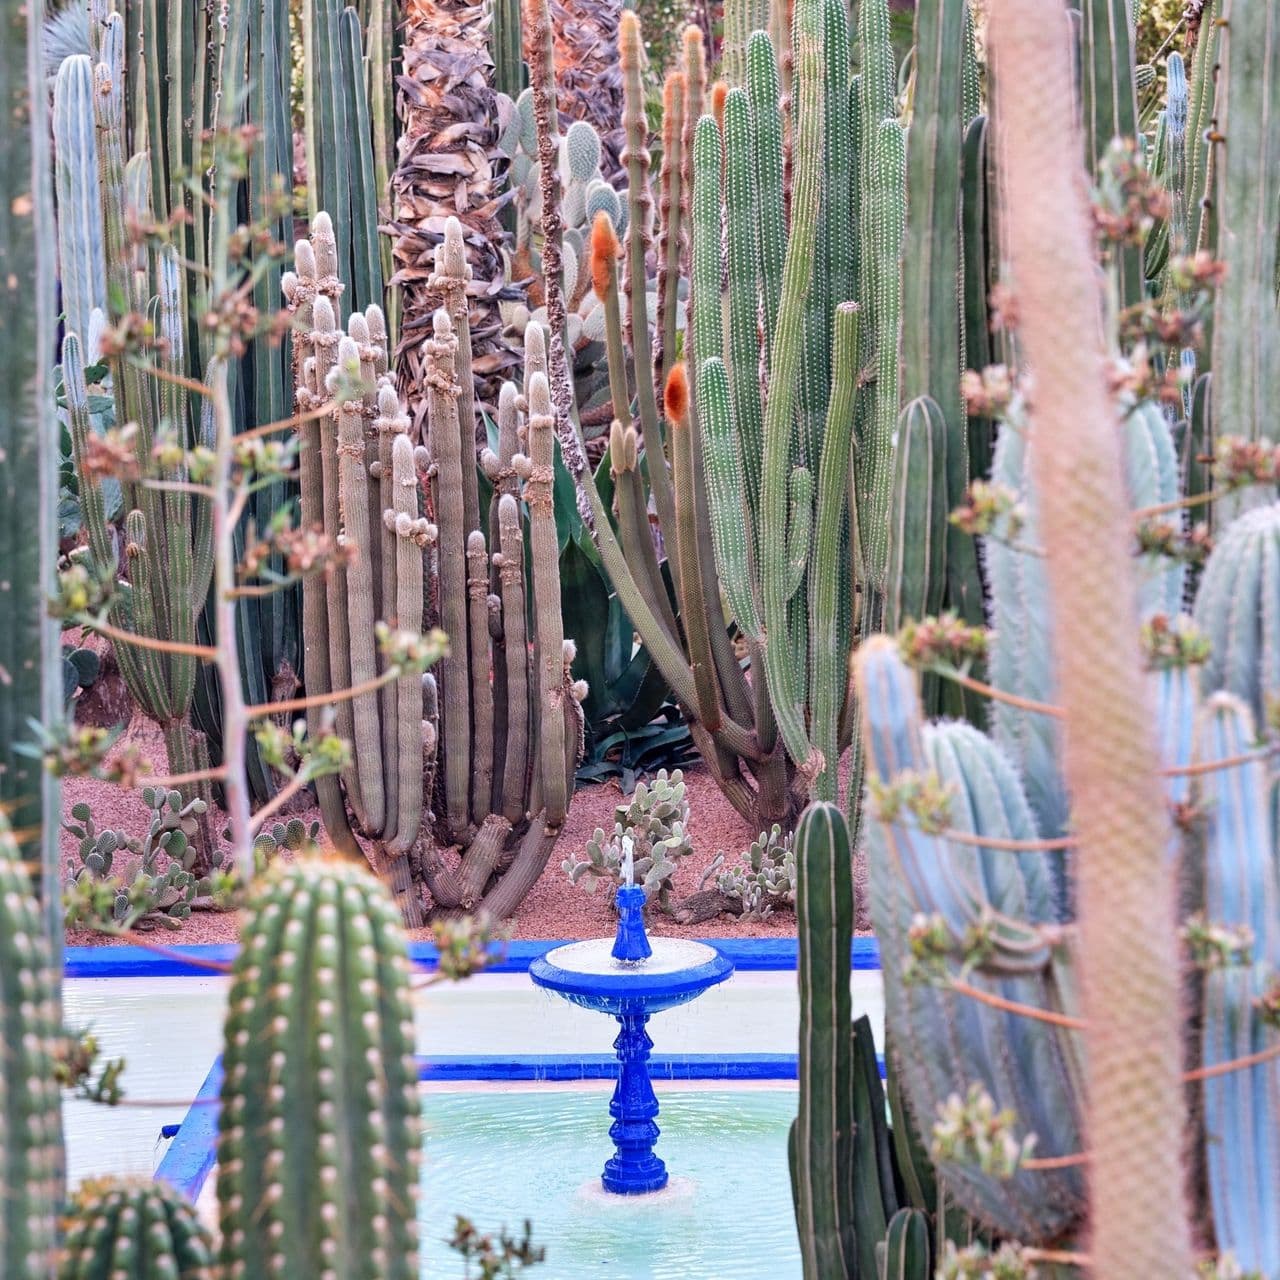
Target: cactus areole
column 631, row 978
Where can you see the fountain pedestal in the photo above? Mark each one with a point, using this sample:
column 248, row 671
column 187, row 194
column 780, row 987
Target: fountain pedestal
column 631, row 977
column 634, row 1168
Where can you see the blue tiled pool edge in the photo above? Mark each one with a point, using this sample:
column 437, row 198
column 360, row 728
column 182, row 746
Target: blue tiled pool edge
column 749, row 955
column 191, row 1156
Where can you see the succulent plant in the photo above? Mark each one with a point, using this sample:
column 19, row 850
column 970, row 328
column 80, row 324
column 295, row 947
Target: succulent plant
column 122, row 1229
column 763, row 879
column 652, row 827
column 126, row 881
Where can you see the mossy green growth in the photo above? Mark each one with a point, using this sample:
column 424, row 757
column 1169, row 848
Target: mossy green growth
column 318, row 1143
column 134, row 1229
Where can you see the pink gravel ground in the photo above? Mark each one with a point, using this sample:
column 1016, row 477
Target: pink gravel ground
column 554, row 909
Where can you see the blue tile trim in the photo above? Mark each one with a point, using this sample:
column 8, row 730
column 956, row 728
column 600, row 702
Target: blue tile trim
column 749, row 955
column 190, row 1157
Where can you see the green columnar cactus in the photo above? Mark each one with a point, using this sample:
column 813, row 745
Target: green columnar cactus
column 503, row 814
column 1201, row 148
column 906, row 1247
column 1241, row 888
column 823, row 1133
column 1246, row 340
column 29, row 656
column 318, row 1142
column 1237, row 610
column 884, row 208
column 133, row 1230
column 1109, row 101
column 30, row 1106
column 932, row 335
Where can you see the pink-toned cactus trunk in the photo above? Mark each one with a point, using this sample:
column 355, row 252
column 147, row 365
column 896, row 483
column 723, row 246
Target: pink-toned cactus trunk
column 1138, row 1214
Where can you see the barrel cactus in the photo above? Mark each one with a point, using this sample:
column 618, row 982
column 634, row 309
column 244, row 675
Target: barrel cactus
column 134, row 1229
column 318, row 1142
column 30, row 1110
column 1238, row 609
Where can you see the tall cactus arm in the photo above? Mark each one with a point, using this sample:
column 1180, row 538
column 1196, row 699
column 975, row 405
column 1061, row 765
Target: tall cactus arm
column 742, row 214
column 822, row 1134
column 510, row 565
column 1242, row 887
column 765, row 97
column 670, row 231
column 1109, row 99
column 1127, row 954
column 549, row 627
column 830, row 676
column 413, row 536
column 1246, row 344
column 780, row 662
column 357, row 533
column 917, row 515
column 1201, row 148
column 730, row 520
column 481, row 686
column 446, row 462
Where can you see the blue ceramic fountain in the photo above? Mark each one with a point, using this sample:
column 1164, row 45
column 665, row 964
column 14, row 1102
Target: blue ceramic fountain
column 631, row 979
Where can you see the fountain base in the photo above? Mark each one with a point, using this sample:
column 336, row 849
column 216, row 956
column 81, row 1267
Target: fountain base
column 634, row 1169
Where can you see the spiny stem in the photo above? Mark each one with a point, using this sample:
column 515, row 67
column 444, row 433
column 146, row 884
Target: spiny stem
column 960, row 987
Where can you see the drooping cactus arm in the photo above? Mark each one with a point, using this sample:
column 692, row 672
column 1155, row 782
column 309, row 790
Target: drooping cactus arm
column 1128, row 953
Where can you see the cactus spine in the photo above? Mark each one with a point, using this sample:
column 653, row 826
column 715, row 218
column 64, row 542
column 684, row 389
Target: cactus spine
column 125, row 1230
column 30, row 1104
column 318, row 1143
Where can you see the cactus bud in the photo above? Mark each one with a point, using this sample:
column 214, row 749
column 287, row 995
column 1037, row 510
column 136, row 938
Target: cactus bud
column 675, row 395
column 604, row 254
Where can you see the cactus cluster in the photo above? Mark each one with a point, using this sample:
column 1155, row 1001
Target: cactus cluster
column 479, row 757
column 135, row 882
column 651, row 829
column 764, row 877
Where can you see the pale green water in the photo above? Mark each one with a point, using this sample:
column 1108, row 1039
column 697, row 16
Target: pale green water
column 501, row 1157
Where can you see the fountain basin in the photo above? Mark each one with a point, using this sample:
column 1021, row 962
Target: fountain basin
column 673, row 972
column 586, row 974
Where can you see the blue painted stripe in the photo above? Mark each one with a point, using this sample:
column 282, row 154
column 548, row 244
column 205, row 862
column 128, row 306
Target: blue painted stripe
column 749, row 955
column 190, row 1157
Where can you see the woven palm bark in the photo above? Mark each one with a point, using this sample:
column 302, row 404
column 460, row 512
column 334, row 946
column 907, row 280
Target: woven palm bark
column 449, row 164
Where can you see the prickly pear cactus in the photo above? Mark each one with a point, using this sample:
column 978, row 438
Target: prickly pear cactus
column 655, row 822
column 30, row 1107
column 318, row 1143
column 125, row 1229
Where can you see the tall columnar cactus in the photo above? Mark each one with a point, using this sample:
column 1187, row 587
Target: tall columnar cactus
column 318, row 1140
column 30, row 1105
column 499, row 803
column 1109, row 102
column 823, row 1132
column 1138, row 1219
column 1246, row 340
column 932, row 338
column 29, row 689
column 1241, row 888
column 842, row 1171
column 1238, row 609
column 120, row 1229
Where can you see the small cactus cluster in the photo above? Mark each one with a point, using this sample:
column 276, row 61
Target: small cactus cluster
column 122, row 1229
column 651, row 826
column 318, row 1146
column 480, row 755
column 764, row 878
column 144, row 883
